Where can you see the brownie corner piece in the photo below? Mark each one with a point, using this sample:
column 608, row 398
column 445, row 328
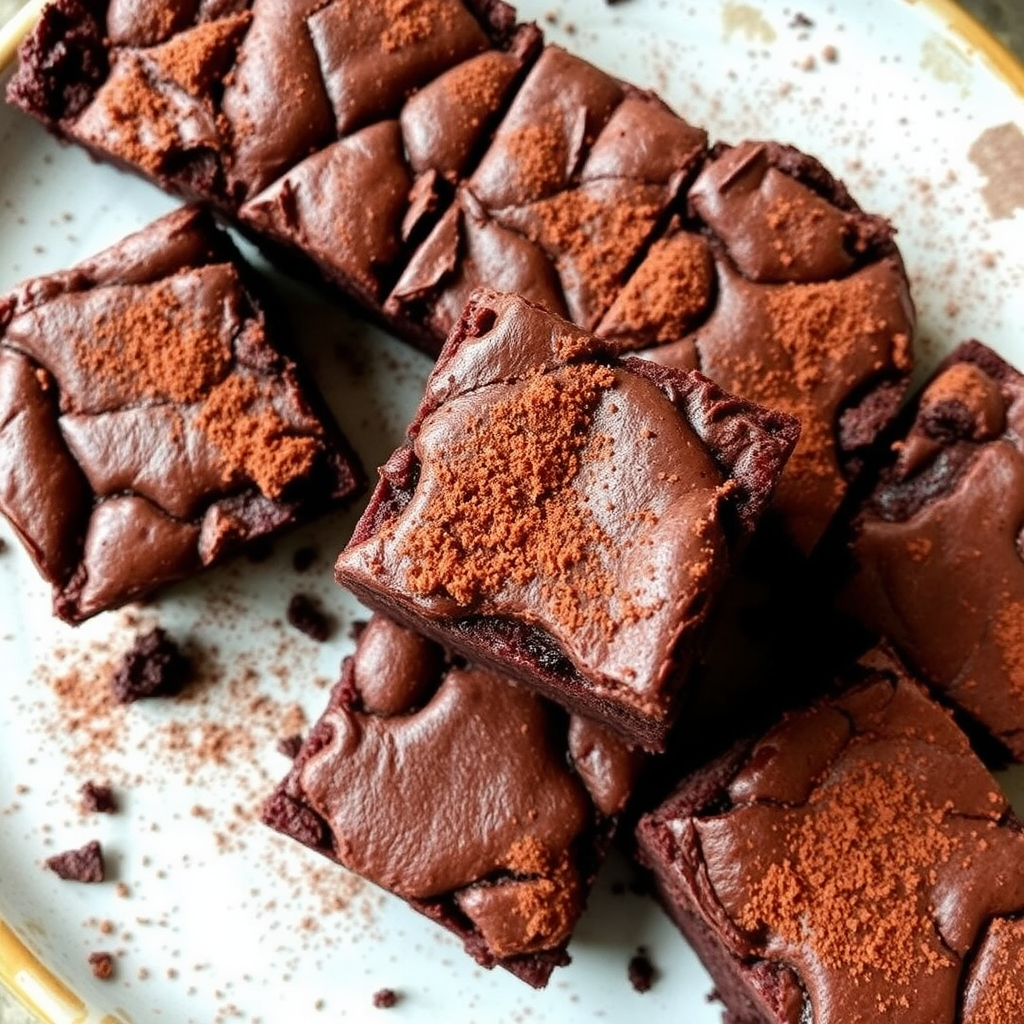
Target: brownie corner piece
column 855, row 862
column 934, row 549
column 149, row 424
column 490, row 815
column 565, row 517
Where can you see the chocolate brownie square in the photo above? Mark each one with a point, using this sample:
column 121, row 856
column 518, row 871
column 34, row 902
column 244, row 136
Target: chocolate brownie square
column 149, row 426
column 565, row 517
column 936, row 544
column 856, row 863
column 484, row 806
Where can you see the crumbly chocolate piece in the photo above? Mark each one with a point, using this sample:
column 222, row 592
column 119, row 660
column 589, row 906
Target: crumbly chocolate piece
column 81, row 865
column 641, row 972
column 153, row 666
column 97, row 799
column 564, row 517
column 484, row 806
column 290, row 745
column 385, row 998
column 303, row 558
column 937, row 565
column 148, row 426
column 102, row 965
column 856, row 863
column 305, row 614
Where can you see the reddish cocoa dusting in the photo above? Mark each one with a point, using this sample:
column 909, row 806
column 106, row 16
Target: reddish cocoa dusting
column 505, row 509
column 889, row 839
column 146, row 123
column 155, row 348
column 601, row 237
column 788, row 220
column 193, row 59
column 539, row 156
column 1001, row 997
column 670, row 289
column 549, row 904
column 1008, row 633
column 478, row 80
column 239, row 419
column 412, row 21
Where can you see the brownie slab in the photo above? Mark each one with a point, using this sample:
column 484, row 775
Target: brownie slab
column 856, row 863
column 936, row 553
column 148, row 425
column 565, row 517
column 485, row 807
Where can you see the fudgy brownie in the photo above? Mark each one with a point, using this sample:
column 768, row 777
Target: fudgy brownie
column 936, row 545
column 484, row 806
column 564, row 516
column 408, row 152
column 856, row 863
column 148, row 426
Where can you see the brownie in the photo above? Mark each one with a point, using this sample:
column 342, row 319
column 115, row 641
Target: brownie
column 935, row 545
column 564, row 516
column 148, row 425
column 856, row 863
column 407, row 153
column 484, row 806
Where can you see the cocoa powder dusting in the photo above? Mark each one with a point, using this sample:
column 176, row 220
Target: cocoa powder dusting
column 155, row 347
column 1000, row 997
column 540, row 157
column 412, row 21
column 602, row 238
column 548, row 905
column 670, row 289
column 1008, row 633
column 505, row 509
column 252, row 437
column 864, row 918
column 479, row 79
column 194, row 58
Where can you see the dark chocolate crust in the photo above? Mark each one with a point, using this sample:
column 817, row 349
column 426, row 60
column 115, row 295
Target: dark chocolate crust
column 655, row 478
column 149, row 426
column 855, row 863
column 935, row 549
column 496, row 836
column 413, row 152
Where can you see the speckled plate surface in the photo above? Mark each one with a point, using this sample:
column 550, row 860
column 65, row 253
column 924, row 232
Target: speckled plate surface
column 211, row 918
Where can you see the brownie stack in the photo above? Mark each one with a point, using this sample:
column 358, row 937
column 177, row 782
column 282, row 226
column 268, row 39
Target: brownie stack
column 649, row 348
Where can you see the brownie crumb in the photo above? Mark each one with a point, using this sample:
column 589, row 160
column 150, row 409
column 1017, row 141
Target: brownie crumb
column 641, row 971
column 97, row 799
column 82, row 865
column 290, row 745
column 305, row 615
column 154, row 666
column 385, row 998
column 304, row 558
column 102, row 965
column 830, row 54
column 801, row 21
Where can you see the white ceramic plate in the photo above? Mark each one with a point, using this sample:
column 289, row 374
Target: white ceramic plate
column 218, row 920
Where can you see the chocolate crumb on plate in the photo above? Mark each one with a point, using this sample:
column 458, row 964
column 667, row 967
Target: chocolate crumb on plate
column 303, row 558
column 641, row 971
column 97, row 799
column 102, row 965
column 385, row 998
column 305, row 614
column 82, row 865
column 152, row 667
column 290, row 745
